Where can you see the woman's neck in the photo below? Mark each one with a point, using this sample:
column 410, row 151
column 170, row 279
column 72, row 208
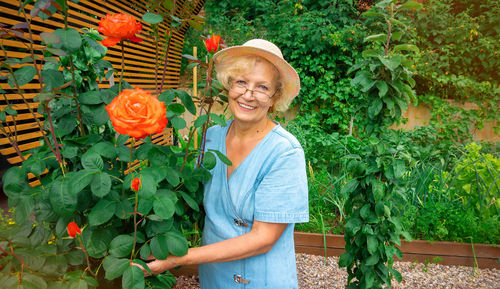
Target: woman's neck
column 243, row 130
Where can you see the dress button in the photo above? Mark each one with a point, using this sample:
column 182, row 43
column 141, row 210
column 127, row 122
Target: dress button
column 240, row 223
column 238, row 279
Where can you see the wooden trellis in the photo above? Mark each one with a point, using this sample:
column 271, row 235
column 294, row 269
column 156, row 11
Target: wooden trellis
column 139, row 61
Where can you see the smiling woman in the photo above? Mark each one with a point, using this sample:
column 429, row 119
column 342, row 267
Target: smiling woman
column 251, row 205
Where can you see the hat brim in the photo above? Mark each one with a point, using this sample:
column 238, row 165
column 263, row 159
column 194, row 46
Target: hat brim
column 289, row 77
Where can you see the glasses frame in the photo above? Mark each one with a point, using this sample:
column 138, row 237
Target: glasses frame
column 234, row 83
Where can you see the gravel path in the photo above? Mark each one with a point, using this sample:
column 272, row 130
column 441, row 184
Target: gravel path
column 313, row 274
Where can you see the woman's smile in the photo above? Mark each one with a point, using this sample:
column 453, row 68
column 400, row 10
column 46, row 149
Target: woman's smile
column 246, row 106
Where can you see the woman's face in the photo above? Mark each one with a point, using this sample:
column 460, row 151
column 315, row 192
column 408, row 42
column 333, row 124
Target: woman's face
column 245, row 107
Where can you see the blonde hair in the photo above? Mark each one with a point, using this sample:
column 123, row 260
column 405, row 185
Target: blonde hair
column 228, row 68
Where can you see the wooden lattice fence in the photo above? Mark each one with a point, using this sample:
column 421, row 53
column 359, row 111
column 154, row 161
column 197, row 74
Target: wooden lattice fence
column 141, row 65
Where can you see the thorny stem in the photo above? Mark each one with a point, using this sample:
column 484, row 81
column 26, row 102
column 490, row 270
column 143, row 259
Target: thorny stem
column 135, row 226
column 40, row 125
column 165, row 63
column 386, row 50
column 123, row 65
column 156, row 60
column 86, row 255
column 32, row 50
column 75, row 96
column 53, row 132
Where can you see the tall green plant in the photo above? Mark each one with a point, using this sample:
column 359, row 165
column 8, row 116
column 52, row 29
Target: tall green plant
column 373, row 228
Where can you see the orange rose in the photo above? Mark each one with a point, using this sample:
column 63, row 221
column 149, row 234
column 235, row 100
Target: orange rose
column 136, row 184
column 118, row 27
column 73, row 229
column 212, row 43
column 137, row 113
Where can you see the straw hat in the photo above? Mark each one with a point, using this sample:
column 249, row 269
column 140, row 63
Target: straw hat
column 270, row 52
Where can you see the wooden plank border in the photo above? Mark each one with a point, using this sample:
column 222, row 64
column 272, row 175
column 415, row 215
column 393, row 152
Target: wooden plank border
column 419, row 251
column 451, row 253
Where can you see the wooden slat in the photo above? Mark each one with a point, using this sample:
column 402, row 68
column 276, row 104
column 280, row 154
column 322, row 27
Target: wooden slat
column 23, row 137
column 140, row 60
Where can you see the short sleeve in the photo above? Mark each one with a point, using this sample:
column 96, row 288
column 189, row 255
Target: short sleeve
column 282, row 195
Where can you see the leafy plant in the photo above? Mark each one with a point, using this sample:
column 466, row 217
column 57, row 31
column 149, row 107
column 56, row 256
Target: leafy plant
column 84, row 170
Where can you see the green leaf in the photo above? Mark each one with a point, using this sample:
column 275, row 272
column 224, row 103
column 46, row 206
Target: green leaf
column 78, row 284
column 372, row 260
column 406, row 47
column 372, row 244
column 63, row 200
column 378, row 190
column 391, row 62
column 101, row 184
column 201, row 174
column 50, row 38
column 382, row 88
column 200, row 120
column 149, row 185
column 70, row 40
column 23, row 76
column 92, row 161
column 399, row 168
column 96, row 241
column 349, row 187
column 187, row 100
column 379, row 208
column 411, row 5
column 217, row 119
column 396, row 274
column 15, row 182
column 105, row 149
column 176, row 243
column 353, row 225
column 52, row 79
column 152, row 18
column 365, row 211
column 79, row 180
column 190, row 201
column 24, row 209
column 196, row 25
column 209, row 160
column 159, row 247
column 346, row 259
column 376, row 38
column 375, row 108
column 133, row 278
column 178, row 123
column 176, row 108
column 172, row 176
column 167, row 96
column 101, row 212
column 121, row 246
column 222, row 157
column 163, row 207
column 90, row 97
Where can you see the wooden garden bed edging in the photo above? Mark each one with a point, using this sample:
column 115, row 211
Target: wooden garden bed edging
column 451, row 253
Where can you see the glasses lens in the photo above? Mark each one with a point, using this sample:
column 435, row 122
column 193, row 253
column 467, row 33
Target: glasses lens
column 261, row 96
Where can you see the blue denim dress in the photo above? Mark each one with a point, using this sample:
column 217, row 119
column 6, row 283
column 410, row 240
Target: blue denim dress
column 270, row 185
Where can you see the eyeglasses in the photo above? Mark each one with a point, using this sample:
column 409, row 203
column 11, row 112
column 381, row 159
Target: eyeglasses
column 260, row 93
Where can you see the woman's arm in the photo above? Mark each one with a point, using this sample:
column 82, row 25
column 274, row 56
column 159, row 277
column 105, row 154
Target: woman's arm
column 259, row 240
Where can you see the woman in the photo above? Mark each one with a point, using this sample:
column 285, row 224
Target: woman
column 252, row 205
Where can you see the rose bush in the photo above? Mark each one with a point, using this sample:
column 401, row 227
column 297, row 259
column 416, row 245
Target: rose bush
column 133, row 198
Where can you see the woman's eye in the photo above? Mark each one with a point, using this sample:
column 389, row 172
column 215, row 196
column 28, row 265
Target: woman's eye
column 263, row 87
column 240, row 82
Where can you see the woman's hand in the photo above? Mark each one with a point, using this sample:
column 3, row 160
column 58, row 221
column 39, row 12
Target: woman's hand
column 159, row 266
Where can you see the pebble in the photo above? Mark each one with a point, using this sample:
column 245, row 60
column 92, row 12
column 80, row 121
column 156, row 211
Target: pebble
column 313, row 273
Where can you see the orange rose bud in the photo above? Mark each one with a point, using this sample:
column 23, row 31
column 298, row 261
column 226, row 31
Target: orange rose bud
column 118, row 27
column 73, row 229
column 212, row 43
column 137, row 113
column 135, row 185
